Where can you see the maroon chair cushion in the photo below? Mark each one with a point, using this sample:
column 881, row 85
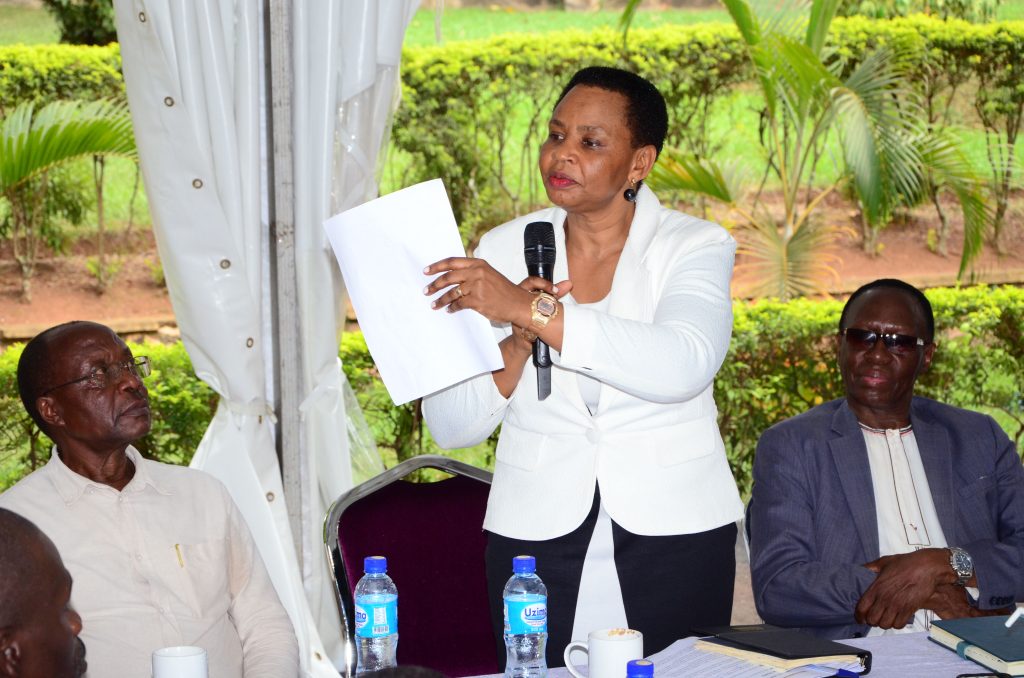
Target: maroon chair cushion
column 432, row 535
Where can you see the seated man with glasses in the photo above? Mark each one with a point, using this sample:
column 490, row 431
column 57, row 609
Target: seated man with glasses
column 159, row 554
column 879, row 511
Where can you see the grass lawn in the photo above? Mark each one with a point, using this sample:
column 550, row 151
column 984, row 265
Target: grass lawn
column 26, row 24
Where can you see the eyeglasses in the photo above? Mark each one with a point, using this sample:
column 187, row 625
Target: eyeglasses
column 104, row 375
column 865, row 340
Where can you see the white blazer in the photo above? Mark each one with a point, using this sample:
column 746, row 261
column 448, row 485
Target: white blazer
column 653, row 445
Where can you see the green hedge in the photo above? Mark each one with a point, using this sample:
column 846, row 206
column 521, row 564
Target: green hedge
column 45, row 73
column 474, row 112
column 781, row 363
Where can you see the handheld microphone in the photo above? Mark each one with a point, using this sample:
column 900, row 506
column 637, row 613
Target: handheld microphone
column 539, row 251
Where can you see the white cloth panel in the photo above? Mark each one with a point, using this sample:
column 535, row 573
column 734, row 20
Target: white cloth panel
column 345, row 91
column 192, row 72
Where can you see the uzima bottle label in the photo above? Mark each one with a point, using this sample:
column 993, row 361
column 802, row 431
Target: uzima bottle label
column 376, row 620
column 526, row 616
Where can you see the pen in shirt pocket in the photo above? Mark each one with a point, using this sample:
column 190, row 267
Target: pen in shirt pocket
column 181, row 561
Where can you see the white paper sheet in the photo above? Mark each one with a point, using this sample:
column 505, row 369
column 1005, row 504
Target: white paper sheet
column 382, row 247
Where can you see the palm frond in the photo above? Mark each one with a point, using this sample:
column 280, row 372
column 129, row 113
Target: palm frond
column 676, row 172
column 822, row 13
column 31, row 142
column 949, row 167
column 801, row 265
column 745, row 19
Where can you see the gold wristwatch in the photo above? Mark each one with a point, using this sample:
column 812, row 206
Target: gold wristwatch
column 544, row 308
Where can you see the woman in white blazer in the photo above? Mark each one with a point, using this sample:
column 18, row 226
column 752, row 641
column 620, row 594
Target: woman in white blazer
column 618, row 482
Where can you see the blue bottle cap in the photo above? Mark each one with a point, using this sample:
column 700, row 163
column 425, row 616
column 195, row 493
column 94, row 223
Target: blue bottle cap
column 375, row 564
column 640, row 668
column 524, row 565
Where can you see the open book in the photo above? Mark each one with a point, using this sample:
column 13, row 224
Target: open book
column 779, row 648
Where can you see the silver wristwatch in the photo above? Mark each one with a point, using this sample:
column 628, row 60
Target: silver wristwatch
column 962, row 564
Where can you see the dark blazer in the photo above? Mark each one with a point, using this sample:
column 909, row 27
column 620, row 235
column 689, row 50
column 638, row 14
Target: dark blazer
column 812, row 511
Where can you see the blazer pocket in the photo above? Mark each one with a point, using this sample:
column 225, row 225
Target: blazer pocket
column 687, row 441
column 977, row 487
column 519, row 448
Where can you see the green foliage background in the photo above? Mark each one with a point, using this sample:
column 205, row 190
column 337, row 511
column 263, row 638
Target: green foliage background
column 781, row 363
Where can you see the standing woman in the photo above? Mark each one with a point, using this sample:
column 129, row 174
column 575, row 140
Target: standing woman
column 618, row 482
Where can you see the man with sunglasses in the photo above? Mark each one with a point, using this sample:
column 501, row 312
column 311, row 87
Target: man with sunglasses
column 877, row 512
column 160, row 555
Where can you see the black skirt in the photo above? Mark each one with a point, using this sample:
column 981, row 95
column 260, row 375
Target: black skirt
column 670, row 584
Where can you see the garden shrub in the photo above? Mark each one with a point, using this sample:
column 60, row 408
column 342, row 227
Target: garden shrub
column 45, row 73
column 84, row 22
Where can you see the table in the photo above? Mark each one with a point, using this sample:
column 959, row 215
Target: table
column 908, row 655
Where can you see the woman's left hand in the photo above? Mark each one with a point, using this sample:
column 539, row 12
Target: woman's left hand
column 476, row 285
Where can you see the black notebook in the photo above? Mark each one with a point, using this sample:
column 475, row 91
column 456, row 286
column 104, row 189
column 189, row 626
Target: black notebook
column 778, row 647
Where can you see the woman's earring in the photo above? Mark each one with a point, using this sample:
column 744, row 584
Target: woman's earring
column 630, row 193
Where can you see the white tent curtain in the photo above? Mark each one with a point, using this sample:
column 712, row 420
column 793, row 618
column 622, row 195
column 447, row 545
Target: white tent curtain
column 345, row 90
column 193, row 73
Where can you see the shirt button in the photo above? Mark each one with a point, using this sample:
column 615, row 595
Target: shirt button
column 593, row 436
column 138, row 556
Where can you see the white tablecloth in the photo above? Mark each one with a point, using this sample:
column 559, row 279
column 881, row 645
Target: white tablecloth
column 909, row 655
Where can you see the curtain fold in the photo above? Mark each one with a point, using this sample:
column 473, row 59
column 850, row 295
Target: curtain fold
column 193, row 72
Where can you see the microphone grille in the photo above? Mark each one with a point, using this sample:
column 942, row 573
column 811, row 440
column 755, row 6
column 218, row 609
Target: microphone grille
column 539, row 243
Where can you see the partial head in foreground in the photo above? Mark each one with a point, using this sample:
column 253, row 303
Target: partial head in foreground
column 885, row 339
column 83, row 387
column 38, row 628
column 606, row 130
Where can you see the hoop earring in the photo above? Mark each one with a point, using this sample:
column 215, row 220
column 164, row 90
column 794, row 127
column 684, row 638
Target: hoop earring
column 630, row 193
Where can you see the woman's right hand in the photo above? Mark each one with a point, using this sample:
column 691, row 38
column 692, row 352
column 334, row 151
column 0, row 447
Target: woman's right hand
column 517, row 348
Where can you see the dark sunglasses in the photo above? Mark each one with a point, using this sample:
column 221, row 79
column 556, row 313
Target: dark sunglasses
column 865, row 340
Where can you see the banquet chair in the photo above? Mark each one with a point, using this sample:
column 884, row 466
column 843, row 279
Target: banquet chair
column 432, row 535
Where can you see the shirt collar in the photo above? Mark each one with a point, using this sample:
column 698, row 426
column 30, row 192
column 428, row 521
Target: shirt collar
column 71, row 485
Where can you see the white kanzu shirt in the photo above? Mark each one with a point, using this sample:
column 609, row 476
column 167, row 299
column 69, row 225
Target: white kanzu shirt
column 166, row 561
column 907, row 520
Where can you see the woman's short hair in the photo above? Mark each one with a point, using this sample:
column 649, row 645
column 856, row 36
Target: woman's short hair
column 646, row 113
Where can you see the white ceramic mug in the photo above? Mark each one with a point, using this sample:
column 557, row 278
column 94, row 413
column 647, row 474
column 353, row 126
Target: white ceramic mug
column 183, row 661
column 608, row 652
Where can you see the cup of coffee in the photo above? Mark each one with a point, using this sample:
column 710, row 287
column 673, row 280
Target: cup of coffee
column 183, row 661
column 608, row 651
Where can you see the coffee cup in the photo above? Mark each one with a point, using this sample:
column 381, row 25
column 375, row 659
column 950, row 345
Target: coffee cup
column 608, row 651
column 183, row 661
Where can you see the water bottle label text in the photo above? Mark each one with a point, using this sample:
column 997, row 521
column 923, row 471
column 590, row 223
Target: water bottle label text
column 376, row 620
column 526, row 616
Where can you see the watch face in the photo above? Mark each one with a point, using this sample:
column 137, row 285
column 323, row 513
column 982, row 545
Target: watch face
column 546, row 306
column 962, row 562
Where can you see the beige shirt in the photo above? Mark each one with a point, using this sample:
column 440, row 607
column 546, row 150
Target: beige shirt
column 166, row 561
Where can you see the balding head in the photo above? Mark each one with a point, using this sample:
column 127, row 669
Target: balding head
column 80, row 384
column 35, row 367
column 38, row 629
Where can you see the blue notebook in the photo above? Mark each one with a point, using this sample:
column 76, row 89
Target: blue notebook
column 985, row 640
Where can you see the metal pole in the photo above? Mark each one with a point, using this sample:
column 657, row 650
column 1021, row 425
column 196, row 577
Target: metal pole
column 287, row 346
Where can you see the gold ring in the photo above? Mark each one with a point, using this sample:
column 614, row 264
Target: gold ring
column 459, row 290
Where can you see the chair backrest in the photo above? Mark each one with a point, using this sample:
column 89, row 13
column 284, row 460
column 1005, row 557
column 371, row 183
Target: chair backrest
column 432, row 535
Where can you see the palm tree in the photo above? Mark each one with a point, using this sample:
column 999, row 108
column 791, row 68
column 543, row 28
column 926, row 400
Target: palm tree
column 886, row 151
column 34, row 142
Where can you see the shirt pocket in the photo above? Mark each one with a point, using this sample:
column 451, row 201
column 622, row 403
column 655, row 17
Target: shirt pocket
column 203, row 574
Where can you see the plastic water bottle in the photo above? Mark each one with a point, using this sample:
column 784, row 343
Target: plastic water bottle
column 376, row 612
column 526, row 621
column 640, row 668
